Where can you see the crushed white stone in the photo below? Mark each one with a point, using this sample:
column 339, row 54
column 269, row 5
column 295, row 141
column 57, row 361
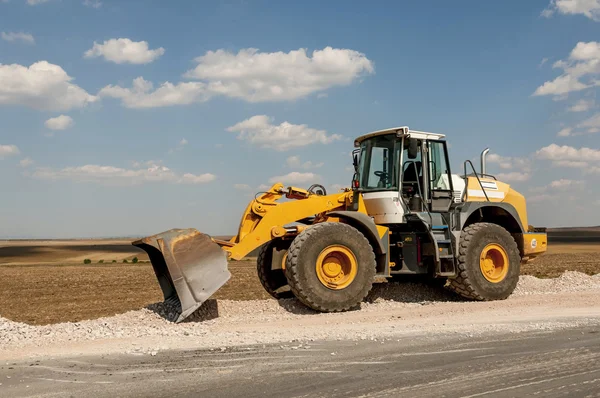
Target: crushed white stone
column 225, row 322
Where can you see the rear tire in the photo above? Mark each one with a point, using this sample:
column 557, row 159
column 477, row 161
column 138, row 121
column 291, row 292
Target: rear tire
column 330, row 267
column 273, row 280
column 489, row 263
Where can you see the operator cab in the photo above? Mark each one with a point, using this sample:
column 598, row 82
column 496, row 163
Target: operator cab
column 400, row 171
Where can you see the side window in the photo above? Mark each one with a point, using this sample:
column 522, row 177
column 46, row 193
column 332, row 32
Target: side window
column 438, row 166
column 378, row 156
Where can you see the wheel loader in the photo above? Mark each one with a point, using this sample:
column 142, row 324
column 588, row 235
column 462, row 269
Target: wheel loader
column 405, row 213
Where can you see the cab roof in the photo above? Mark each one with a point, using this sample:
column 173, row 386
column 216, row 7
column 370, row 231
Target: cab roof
column 402, row 130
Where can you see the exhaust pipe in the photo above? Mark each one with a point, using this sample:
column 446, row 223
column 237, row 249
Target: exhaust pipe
column 483, row 155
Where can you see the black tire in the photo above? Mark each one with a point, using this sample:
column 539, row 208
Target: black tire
column 470, row 282
column 273, row 280
column 301, row 273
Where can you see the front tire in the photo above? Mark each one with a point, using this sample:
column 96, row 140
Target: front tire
column 489, row 263
column 330, row 267
column 272, row 278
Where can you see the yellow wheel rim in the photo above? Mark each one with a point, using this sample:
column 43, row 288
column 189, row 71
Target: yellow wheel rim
column 284, row 260
column 494, row 263
column 336, row 267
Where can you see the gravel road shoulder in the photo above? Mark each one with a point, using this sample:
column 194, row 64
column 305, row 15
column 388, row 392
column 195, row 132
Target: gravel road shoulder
column 391, row 311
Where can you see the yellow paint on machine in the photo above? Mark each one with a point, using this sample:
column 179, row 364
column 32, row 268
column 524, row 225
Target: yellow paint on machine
column 534, row 244
column 497, row 192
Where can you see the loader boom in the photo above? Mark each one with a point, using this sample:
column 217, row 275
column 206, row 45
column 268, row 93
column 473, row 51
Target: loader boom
column 191, row 266
column 266, row 219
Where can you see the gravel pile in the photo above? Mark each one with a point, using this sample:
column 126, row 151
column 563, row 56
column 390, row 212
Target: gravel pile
column 569, row 281
column 224, row 322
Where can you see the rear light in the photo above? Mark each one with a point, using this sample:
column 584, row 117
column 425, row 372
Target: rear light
column 355, row 184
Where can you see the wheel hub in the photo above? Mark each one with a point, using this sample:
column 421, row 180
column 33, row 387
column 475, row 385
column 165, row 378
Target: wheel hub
column 336, row 267
column 493, row 263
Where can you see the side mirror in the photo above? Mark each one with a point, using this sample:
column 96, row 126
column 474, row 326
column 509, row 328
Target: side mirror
column 355, row 158
column 413, row 149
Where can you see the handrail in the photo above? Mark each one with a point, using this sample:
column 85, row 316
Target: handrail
column 476, row 176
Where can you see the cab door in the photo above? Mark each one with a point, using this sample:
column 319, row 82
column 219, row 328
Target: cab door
column 440, row 177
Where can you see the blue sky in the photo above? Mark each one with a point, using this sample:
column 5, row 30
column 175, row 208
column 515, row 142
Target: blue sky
column 133, row 117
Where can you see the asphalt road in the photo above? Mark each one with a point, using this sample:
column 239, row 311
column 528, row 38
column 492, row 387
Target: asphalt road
column 545, row 364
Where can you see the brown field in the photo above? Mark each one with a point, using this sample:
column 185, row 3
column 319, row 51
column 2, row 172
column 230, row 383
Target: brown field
column 44, row 282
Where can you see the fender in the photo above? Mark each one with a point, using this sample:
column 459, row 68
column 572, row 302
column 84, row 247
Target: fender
column 489, row 210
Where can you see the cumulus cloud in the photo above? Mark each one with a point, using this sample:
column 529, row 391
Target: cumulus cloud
column 8, row 150
column 256, row 76
column 18, row 36
column 295, row 178
column 514, row 176
column 589, row 8
column 182, row 143
column 259, row 130
column 568, row 153
column 582, row 106
column 565, row 132
column 294, row 162
column 124, row 50
column 61, row 122
column 579, row 71
column 117, row 175
column 251, row 76
column 563, row 184
column 25, row 162
column 143, row 95
column 92, row 3
column 41, row 86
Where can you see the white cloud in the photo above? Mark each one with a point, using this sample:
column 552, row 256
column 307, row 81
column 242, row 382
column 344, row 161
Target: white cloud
column 168, row 94
column 257, row 76
column 583, row 63
column 18, row 36
column 582, row 106
column 294, row 162
column 592, row 123
column 36, row 2
column 258, row 130
column 295, row 178
column 507, row 162
column 563, row 184
column 565, row 132
column 41, row 86
column 61, row 122
column 242, row 187
column 124, row 50
column 8, row 150
column 117, row 175
column 589, row 8
column 571, row 163
column 563, row 153
column 183, row 142
column 92, row 3
column 26, row 162
column 514, row 176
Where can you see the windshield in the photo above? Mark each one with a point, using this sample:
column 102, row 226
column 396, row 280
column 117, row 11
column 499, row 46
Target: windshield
column 379, row 161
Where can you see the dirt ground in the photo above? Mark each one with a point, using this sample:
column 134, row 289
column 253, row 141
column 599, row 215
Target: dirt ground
column 36, row 288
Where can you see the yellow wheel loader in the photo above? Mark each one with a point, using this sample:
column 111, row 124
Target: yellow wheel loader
column 405, row 213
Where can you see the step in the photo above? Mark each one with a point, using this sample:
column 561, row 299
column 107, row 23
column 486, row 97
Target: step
column 447, row 241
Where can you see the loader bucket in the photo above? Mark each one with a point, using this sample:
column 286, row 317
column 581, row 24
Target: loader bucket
column 189, row 266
